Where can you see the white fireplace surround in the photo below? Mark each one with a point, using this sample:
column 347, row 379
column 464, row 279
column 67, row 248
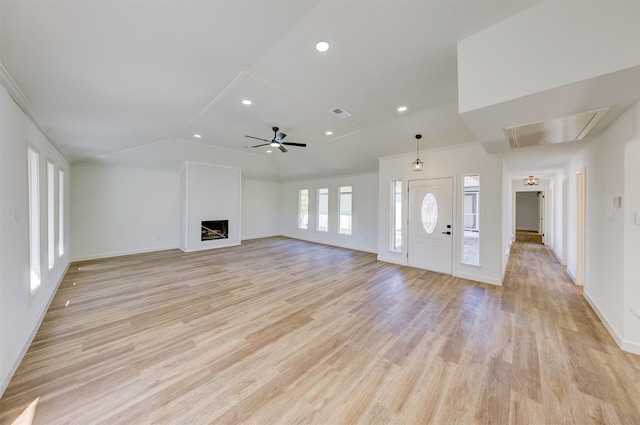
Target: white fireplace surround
column 208, row 193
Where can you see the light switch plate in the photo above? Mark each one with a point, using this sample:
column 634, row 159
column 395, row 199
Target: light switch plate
column 611, row 216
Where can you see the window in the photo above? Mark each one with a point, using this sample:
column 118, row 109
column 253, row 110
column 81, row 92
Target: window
column 471, row 243
column 345, row 210
column 60, row 213
column 303, row 209
column 429, row 213
column 323, row 210
column 33, row 159
column 396, row 215
column 51, row 214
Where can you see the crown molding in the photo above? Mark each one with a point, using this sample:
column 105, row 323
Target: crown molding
column 21, row 100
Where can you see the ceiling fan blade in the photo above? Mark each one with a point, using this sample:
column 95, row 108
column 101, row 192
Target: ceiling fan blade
column 282, row 148
column 302, row 145
column 258, row 138
column 257, row 146
column 280, row 136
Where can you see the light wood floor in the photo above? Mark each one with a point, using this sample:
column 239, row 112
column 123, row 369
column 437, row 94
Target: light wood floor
column 280, row 331
column 528, row 236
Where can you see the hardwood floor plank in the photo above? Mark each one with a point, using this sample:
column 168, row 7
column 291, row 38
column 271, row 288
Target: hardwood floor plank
column 289, row 332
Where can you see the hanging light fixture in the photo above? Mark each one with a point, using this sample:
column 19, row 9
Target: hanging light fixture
column 531, row 181
column 417, row 164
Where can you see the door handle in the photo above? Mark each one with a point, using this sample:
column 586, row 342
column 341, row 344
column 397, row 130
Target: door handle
column 446, row 233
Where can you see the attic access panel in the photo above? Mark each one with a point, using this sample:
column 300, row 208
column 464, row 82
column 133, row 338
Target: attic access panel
column 555, row 130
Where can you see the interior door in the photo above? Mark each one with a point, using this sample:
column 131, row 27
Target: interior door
column 430, row 226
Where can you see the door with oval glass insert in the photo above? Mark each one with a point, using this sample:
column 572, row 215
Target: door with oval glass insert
column 430, row 227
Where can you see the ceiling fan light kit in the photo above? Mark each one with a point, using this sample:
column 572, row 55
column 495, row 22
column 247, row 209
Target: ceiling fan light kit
column 276, row 142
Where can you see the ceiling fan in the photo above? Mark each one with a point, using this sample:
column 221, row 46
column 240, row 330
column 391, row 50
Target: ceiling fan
column 276, row 142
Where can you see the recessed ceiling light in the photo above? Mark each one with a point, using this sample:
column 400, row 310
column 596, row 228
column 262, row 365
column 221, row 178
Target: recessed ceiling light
column 329, row 133
column 402, row 109
column 247, row 102
column 269, row 151
column 197, row 135
column 322, row 46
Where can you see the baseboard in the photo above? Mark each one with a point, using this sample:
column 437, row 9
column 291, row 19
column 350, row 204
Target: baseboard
column 478, row 278
column 392, row 260
column 248, row 238
column 122, row 253
column 617, row 338
column 557, row 256
column 333, row 243
column 4, row 383
column 630, row 347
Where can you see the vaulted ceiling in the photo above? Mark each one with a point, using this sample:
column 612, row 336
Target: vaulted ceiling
column 132, row 82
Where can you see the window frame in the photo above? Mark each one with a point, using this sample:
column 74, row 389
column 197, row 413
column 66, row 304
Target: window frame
column 302, row 223
column 323, row 198
column 51, row 214
column 396, row 216
column 474, row 231
column 33, row 207
column 341, row 192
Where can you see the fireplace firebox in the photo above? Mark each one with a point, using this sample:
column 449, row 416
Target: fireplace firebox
column 214, row 229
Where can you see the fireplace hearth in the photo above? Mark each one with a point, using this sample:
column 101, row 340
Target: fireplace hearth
column 214, row 229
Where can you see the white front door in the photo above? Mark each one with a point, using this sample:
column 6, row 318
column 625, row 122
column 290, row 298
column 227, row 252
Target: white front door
column 431, row 224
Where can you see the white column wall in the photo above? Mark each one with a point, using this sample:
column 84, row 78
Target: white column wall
column 212, row 193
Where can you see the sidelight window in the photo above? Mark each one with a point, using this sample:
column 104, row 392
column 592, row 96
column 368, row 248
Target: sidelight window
column 471, row 243
column 396, row 215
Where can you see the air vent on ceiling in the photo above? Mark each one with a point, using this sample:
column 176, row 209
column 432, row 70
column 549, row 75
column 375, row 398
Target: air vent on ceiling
column 556, row 130
column 341, row 113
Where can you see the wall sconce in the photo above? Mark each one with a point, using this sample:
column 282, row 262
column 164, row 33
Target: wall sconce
column 531, row 181
column 417, row 164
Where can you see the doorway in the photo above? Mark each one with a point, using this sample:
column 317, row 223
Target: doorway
column 530, row 217
column 430, row 228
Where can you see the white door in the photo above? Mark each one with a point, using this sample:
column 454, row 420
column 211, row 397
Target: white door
column 431, row 224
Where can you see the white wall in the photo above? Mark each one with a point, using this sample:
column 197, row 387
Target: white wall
column 570, row 44
column 631, row 205
column 212, row 193
column 507, row 217
column 260, row 208
column 605, row 271
column 20, row 316
column 120, row 210
column 527, row 211
column 365, row 211
column 455, row 163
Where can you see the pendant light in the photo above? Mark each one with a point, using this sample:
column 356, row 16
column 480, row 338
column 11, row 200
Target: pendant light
column 417, row 164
